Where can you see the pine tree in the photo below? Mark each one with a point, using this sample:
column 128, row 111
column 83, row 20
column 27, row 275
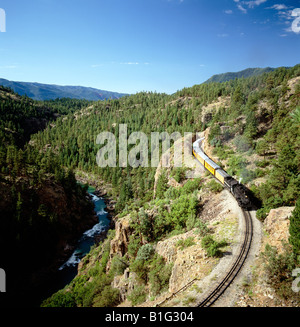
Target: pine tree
column 162, row 185
column 251, row 126
column 262, row 147
column 238, row 97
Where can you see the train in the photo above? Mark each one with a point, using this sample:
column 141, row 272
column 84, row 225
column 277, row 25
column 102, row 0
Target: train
column 238, row 190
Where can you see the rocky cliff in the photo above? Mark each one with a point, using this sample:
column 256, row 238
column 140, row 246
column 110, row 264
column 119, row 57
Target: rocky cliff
column 259, row 293
column 119, row 244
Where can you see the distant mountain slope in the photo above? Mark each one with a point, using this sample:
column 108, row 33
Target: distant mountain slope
column 220, row 78
column 39, row 91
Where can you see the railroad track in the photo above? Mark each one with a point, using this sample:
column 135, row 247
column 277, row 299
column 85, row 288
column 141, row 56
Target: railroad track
column 220, row 287
column 210, row 297
column 218, row 290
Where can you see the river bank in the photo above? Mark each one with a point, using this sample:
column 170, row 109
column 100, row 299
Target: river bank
column 101, row 190
column 104, row 207
column 96, row 233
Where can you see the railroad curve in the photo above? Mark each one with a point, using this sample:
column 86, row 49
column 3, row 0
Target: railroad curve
column 219, row 287
column 216, row 291
column 211, row 296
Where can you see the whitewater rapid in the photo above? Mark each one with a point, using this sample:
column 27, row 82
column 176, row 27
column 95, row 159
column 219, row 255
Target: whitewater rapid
column 88, row 237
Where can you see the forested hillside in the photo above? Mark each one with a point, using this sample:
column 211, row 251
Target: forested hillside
column 262, row 114
column 249, row 72
column 253, row 129
column 42, row 207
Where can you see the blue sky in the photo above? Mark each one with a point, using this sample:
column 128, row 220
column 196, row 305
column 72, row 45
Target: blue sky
column 144, row 45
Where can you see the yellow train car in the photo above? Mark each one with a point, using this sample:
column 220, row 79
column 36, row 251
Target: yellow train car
column 221, row 175
column 211, row 166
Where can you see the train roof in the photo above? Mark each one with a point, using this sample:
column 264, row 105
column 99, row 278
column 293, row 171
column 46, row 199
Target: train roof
column 212, row 164
column 201, row 153
column 223, row 173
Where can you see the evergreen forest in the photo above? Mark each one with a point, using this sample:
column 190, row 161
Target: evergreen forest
column 45, row 145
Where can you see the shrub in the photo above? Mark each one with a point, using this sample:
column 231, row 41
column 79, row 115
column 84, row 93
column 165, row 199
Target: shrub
column 118, row 265
column 279, row 267
column 212, row 247
column 178, row 174
column 138, row 295
column 185, row 243
column 159, row 274
column 134, row 245
column 181, row 210
column 141, row 265
column 260, row 173
column 242, row 143
column 236, row 164
column 191, row 186
column 60, row 300
column 145, row 252
column 202, row 228
column 162, row 185
column 261, row 214
column 191, row 221
column 109, row 297
column 262, row 163
column 294, row 229
column 214, row 186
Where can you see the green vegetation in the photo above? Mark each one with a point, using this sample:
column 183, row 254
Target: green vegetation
column 85, row 291
column 220, row 78
column 212, row 247
column 214, row 186
column 43, row 143
column 256, row 103
column 182, row 244
column 279, row 268
column 39, row 91
column 295, row 230
column 138, row 295
column 37, row 195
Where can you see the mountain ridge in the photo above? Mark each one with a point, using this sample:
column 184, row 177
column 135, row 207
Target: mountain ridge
column 40, row 91
column 224, row 77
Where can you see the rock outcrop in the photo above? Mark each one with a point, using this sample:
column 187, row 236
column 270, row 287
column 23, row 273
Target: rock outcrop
column 276, row 228
column 119, row 244
column 188, row 262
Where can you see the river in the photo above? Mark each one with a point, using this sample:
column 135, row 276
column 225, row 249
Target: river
column 68, row 270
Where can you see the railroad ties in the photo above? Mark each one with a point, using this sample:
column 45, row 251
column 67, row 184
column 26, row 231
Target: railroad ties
column 227, row 280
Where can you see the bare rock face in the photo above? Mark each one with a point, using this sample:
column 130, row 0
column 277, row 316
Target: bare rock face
column 188, row 263
column 277, row 225
column 119, row 244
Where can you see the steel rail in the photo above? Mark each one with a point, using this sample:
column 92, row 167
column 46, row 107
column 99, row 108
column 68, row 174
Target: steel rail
column 236, row 266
